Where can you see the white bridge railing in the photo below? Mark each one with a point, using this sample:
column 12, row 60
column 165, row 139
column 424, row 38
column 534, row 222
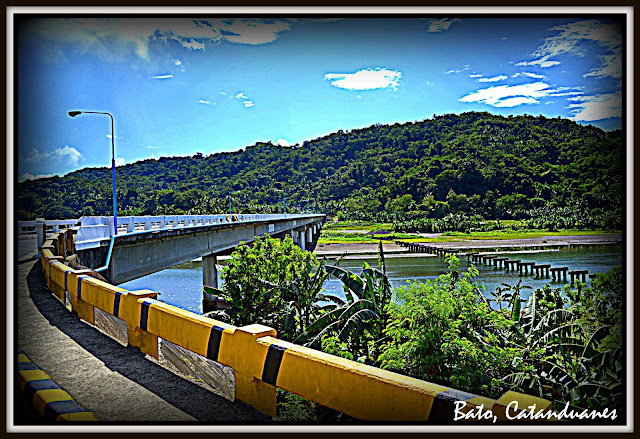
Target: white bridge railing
column 138, row 223
column 92, row 229
column 29, row 227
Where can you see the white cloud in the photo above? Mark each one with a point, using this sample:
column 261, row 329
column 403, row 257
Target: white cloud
column 248, row 104
column 252, row 31
column 529, row 75
column 27, row 176
column 222, row 93
column 441, row 24
column 366, row 79
column 475, row 75
column 202, row 101
column 464, row 68
column 178, row 63
column 283, row 142
column 494, row 79
column 578, row 37
column 514, row 102
column 120, row 161
column 513, row 95
column 192, row 44
column 611, row 66
column 597, row 107
column 163, row 77
column 66, row 154
column 241, row 96
column 542, row 62
column 153, row 147
column 113, row 38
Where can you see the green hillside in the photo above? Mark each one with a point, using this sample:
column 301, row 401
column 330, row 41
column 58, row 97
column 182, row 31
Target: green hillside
column 473, row 163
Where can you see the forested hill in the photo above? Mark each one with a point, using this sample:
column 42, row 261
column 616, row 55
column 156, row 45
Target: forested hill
column 480, row 163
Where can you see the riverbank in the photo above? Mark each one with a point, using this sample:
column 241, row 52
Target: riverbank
column 392, row 250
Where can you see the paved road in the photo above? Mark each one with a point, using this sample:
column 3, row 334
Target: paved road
column 116, row 383
column 27, row 247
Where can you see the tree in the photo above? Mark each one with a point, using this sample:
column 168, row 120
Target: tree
column 266, row 282
column 442, row 331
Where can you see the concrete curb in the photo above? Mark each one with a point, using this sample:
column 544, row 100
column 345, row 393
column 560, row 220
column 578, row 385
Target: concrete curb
column 51, row 401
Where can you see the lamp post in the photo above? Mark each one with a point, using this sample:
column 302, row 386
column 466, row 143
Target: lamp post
column 284, row 200
column 113, row 163
column 231, row 192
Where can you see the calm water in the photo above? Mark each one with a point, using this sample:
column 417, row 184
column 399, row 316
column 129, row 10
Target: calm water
column 182, row 286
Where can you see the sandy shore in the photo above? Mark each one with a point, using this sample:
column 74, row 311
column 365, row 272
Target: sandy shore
column 358, row 250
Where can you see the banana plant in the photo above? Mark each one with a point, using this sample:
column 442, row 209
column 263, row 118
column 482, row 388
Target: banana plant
column 364, row 310
column 303, row 298
column 564, row 364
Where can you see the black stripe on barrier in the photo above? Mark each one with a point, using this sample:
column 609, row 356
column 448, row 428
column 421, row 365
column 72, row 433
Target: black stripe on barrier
column 443, row 406
column 116, row 304
column 54, row 409
column 144, row 315
column 272, row 364
column 31, row 387
column 50, row 264
column 66, row 274
column 215, row 337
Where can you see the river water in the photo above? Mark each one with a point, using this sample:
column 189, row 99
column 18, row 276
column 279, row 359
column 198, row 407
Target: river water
column 182, row 285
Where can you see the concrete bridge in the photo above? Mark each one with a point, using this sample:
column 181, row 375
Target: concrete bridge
column 145, row 245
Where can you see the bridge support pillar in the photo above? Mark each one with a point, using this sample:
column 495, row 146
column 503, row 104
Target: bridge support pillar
column 294, row 236
column 210, row 271
column 209, row 279
column 302, row 238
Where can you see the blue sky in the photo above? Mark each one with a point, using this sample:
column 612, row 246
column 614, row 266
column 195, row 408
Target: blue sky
column 178, row 86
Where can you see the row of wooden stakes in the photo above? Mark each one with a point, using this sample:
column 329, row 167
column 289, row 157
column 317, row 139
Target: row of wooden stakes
column 509, row 264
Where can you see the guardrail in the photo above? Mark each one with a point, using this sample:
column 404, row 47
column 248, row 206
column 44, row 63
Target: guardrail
column 29, row 227
column 261, row 362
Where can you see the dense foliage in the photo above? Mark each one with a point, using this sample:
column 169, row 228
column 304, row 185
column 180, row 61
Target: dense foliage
column 563, row 345
column 272, row 282
column 473, row 163
column 560, row 344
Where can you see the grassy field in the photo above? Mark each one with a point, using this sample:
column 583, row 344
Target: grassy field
column 357, row 225
column 337, row 233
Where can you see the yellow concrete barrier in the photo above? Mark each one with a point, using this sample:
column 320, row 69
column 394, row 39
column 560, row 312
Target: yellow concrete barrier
column 131, row 308
column 261, row 362
column 226, row 344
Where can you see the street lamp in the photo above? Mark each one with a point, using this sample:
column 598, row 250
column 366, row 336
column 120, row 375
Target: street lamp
column 231, row 192
column 284, row 200
column 113, row 163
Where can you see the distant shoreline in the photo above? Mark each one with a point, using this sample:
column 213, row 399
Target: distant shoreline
column 392, row 250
